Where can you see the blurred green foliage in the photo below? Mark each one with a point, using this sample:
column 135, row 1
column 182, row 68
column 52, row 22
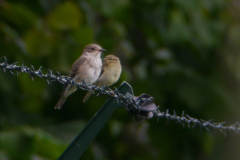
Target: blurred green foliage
column 183, row 53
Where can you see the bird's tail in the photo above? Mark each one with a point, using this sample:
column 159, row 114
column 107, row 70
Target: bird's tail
column 87, row 96
column 60, row 102
column 66, row 92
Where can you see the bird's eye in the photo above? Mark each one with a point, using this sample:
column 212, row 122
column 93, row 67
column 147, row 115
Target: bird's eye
column 92, row 48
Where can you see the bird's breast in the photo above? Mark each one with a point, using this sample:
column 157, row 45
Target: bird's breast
column 94, row 70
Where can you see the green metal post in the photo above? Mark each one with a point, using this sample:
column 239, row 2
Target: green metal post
column 78, row 146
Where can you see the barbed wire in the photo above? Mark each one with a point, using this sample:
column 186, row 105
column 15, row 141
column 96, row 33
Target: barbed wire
column 142, row 107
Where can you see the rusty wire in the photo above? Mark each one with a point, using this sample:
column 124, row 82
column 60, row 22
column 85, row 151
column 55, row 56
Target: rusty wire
column 141, row 107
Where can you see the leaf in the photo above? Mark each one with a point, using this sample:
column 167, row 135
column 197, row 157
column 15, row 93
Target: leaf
column 19, row 14
column 67, row 15
column 83, row 35
column 38, row 42
column 24, row 140
column 14, row 36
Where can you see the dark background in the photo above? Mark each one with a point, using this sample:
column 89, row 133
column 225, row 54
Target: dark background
column 184, row 53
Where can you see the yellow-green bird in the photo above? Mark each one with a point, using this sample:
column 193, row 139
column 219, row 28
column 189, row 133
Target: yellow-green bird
column 110, row 73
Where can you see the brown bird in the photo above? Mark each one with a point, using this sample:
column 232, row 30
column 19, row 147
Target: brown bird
column 110, row 73
column 87, row 67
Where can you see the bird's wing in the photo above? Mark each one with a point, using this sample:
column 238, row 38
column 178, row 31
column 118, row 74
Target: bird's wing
column 76, row 66
column 75, row 69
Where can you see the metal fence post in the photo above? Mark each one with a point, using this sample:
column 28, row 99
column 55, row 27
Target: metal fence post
column 78, row 146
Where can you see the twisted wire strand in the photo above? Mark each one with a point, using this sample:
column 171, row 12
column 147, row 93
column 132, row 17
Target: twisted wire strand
column 128, row 99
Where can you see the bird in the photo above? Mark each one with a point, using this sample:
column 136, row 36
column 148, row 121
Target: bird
column 110, row 73
column 87, row 68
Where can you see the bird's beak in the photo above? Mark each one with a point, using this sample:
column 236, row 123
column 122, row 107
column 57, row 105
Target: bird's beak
column 102, row 50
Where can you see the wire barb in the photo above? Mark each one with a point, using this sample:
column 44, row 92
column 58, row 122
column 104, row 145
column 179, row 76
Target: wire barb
column 141, row 107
